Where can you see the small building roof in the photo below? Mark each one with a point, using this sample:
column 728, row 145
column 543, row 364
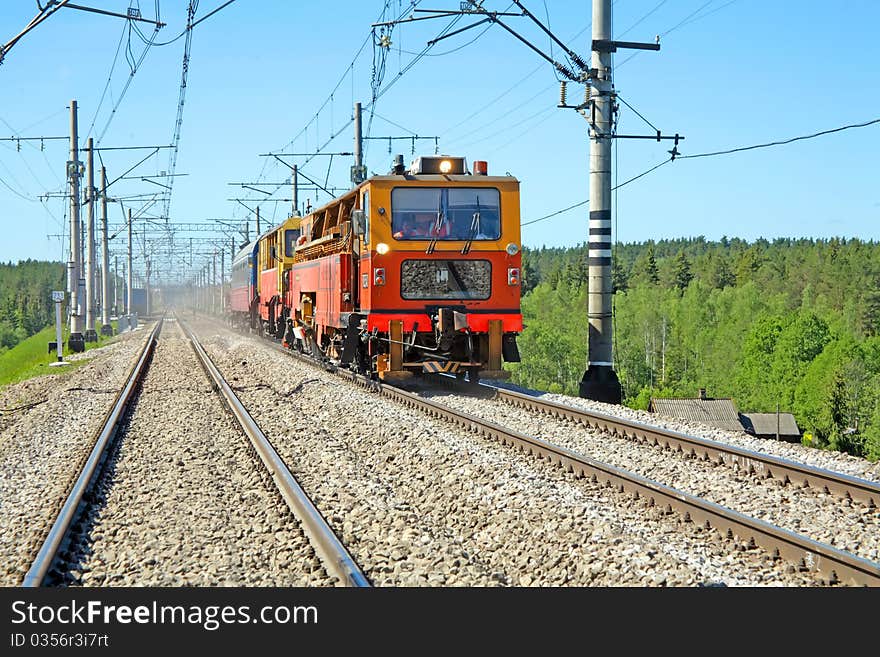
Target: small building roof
column 720, row 413
column 764, row 424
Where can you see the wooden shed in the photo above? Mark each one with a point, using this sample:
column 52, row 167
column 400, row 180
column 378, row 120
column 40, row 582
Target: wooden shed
column 720, row 413
column 771, row 425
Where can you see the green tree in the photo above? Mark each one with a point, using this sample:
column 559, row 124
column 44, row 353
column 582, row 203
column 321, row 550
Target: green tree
column 762, row 322
column 619, row 276
column 748, row 263
column 869, row 308
column 645, row 269
column 719, row 273
column 681, row 273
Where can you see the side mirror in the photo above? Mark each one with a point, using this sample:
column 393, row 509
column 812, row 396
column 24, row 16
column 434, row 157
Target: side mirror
column 358, row 222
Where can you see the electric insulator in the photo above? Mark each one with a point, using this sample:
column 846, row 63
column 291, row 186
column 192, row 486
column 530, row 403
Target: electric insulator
column 580, row 62
column 567, row 72
column 587, row 93
column 562, row 84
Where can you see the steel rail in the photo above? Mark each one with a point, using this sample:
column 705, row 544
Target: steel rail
column 836, row 565
column 69, row 511
column 331, row 551
column 764, row 465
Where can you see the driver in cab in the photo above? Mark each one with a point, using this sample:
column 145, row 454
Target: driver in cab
column 422, row 225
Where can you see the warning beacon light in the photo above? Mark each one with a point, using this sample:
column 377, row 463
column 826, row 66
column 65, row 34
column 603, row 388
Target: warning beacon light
column 442, row 164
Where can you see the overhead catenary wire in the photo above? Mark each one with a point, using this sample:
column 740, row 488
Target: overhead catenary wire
column 379, row 90
column 183, row 33
column 135, row 67
column 616, row 187
column 125, row 27
column 17, row 193
column 687, row 20
column 781, row 142
column 717, row 153
column 51, row 7
column 28, row 141
column 178, row 123
column 690, row 18
column 349, row 71
column 423, row 53
column 518, row 83
column 396, row 125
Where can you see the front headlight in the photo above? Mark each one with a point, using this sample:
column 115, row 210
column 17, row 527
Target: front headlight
column 512, row 249
column 382, row 248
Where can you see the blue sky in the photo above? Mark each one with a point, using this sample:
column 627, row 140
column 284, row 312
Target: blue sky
column 261, row 74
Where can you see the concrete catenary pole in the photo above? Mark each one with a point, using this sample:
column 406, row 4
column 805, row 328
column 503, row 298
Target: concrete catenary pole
column 295, row 197
column 600, row 381
column 214, row 277
column 222, row 280
column 128, row 283
column 116, row 285
column 106, row 328
column 357, row 174
column 75, row 340
column 91, row 335
column 147, row 287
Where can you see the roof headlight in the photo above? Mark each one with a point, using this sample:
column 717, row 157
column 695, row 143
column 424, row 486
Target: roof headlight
column 512, row 249
column 382, row 248
column 445, row 166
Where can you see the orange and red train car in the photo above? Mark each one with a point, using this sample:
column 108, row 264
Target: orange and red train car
column 415, row 271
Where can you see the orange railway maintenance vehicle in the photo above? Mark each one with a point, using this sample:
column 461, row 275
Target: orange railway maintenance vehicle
column 414, row 271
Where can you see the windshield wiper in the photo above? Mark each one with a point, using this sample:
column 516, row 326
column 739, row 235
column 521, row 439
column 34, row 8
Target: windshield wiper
column 437, row 225
column 473, row 231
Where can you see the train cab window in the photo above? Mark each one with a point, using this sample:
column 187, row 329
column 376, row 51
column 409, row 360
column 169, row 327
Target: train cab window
column 448, row 213
column 290, row 237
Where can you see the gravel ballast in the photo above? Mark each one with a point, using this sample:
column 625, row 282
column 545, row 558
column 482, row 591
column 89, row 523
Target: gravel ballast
column 185, row 501
column 41, row 445
column 421, row 502
column 819, row 458
column 844, row 524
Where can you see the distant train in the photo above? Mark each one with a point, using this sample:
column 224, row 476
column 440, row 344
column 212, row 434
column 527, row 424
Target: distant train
column 414, row 271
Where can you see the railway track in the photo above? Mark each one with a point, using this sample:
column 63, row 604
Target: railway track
column 72, row 505
column 57, row 551
column 838, row 509
column 835, row 566
column 332, row 552
column 758, row 463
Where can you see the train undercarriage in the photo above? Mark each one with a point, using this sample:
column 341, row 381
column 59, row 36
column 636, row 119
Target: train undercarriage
column 393, row 355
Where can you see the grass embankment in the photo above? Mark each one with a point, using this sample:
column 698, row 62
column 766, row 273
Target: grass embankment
column 31, row 357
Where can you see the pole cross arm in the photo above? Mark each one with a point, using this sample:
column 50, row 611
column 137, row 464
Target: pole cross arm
column 132, row 16
column 657, row 137
column 607, row 45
